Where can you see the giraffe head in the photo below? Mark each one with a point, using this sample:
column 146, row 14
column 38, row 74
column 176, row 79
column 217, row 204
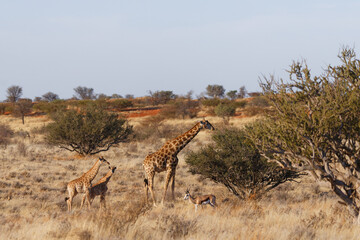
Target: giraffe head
column 112, row 168
column 103, row 160
column 206, row 125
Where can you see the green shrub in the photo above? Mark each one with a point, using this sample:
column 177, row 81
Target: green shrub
column 240, row 104
column 233, row 161
column 87, row 132
column 316, row 125
column 212, row 102
column 180, row 108
column 50, row 107
column 120, row 103
column 225, row 110
column 260, row 101
column 83, row 104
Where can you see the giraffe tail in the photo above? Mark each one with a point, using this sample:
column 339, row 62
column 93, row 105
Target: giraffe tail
column 146, row 182
column 66, row 199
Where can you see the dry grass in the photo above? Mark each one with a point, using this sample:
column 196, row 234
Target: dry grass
column 34, row 176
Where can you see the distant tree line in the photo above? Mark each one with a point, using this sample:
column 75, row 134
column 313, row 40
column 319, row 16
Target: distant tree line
column 219, row 102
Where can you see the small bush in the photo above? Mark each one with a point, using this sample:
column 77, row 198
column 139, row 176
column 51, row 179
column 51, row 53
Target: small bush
column 180, row 108
column 83, row 104
column 253, row 111
column 240, row 104
column 153, row 129
column 233, row 161
column 21, row 149
column 259, row 101
column 50, row 107
column 87, row 132
column 121, row 103
column 212, row 102
column 225, row 110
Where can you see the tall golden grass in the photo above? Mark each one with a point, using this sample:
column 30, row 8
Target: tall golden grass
column 33, row 187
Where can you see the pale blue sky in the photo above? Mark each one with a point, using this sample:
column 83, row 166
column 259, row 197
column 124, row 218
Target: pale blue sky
column 131, row 47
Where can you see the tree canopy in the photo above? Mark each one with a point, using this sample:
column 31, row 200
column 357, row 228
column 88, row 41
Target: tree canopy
column 14, row 93
column 215, row 91
column 233, row 161
column 84, row 93
column 316, row 126
column 87, row 132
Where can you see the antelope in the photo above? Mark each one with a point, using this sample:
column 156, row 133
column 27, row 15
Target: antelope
column 201, row 200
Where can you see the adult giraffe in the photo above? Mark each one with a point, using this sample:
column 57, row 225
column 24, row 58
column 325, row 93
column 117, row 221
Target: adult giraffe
column 165, row 159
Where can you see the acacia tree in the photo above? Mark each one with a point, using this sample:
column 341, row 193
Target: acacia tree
column 316, row 125
column 14, row 93
column 84, row 93
column 22, row 107
column 161, row 97
column 233, row 161
column 242, row 92
column 232, row 95
column 88, row 132
column 50, row 96
column 215, row 91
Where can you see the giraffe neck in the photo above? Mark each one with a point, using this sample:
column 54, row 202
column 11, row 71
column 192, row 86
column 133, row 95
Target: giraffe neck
column 181, row 141
column 106, row 178
column 91, row 174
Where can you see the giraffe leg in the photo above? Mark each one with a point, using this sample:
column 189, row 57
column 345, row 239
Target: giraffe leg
column 173, row 185
column 167, row 180
column 87, row 196
column 72, row 194
column 102, row 201
column 146, row 191
column 69, row 202
column 82, row 201
column 151, row 187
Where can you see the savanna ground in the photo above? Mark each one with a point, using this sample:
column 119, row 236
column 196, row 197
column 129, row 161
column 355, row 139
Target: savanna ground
column 33, row 187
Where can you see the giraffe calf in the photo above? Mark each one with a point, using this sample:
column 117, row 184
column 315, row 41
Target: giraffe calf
column 83, row 184
column 100, row 188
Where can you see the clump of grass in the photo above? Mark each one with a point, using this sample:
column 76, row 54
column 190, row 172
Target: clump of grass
column 21, row 149
column 5, row 134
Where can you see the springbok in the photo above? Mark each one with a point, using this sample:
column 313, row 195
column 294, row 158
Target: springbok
column 201, row 200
